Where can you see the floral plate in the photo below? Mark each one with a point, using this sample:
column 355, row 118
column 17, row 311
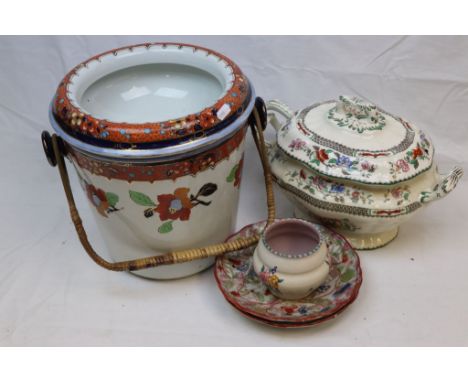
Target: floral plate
column 243, row 289
column 290, row 325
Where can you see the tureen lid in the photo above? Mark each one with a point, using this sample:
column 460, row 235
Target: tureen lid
column 353, row 139
column 120, row 100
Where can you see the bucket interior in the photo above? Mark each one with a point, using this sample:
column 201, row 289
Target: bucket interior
column 148, row 85
column 151, row 92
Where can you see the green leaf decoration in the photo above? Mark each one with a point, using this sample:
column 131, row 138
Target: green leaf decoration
column 332, row 161
column 424, row 195
column 141, row 199
column 348, row 275
column 165, row 227
column 232, row 175
column 112, row 198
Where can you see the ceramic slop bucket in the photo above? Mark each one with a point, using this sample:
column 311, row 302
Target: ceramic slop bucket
column 156, row 135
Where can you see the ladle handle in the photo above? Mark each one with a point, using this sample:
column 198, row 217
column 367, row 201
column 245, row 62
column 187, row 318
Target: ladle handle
column 53, row 147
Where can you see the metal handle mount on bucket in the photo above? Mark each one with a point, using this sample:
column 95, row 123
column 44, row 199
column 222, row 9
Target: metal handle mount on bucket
column 55, row 153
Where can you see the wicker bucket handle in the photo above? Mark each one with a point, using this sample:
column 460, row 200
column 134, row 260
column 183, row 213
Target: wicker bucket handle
column 53, row 147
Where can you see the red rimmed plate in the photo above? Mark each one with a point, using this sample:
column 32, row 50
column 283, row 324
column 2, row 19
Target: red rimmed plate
column 243, row 289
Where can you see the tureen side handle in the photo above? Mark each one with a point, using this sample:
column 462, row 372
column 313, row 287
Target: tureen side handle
column 443, row 187
column 280, row 108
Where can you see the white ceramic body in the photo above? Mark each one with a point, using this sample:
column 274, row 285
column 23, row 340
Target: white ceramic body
column 296, row 277
column 128, row 234
column 295, row 286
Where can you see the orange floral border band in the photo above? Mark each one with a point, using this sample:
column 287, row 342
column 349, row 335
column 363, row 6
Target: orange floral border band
column 163, row 171
column 79, row 123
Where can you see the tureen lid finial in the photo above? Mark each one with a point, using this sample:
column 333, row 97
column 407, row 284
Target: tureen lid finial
column 356, row 114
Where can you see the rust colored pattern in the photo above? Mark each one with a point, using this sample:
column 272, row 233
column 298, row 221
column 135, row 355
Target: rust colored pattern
column 77, row 121
column 151, row 173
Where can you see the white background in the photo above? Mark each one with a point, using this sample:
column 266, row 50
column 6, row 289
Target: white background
column 414, row 290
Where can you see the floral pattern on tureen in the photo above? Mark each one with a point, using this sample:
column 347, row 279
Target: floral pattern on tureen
column 246, row 292
column 355, row 140
column 291, row 173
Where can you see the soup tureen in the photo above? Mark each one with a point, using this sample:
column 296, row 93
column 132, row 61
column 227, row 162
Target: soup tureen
column 357, row 168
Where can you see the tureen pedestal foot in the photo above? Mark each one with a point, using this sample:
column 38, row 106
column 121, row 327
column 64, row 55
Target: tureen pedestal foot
column 357, row 240
column 369, row 240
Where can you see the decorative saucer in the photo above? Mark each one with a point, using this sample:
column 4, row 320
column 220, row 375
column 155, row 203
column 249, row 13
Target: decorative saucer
column 290, row 325
column 243, row 289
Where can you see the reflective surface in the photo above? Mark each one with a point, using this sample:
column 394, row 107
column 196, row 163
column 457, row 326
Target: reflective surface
column 151, row 93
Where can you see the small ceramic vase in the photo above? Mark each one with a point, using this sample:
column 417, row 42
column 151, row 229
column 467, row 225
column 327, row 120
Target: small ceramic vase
column 291, row 258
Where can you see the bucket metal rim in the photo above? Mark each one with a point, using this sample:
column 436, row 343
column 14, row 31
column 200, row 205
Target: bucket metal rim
column 162, row 154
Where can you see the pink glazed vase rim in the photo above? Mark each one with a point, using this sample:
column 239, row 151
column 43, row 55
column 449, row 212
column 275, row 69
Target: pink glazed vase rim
column 314, row 228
